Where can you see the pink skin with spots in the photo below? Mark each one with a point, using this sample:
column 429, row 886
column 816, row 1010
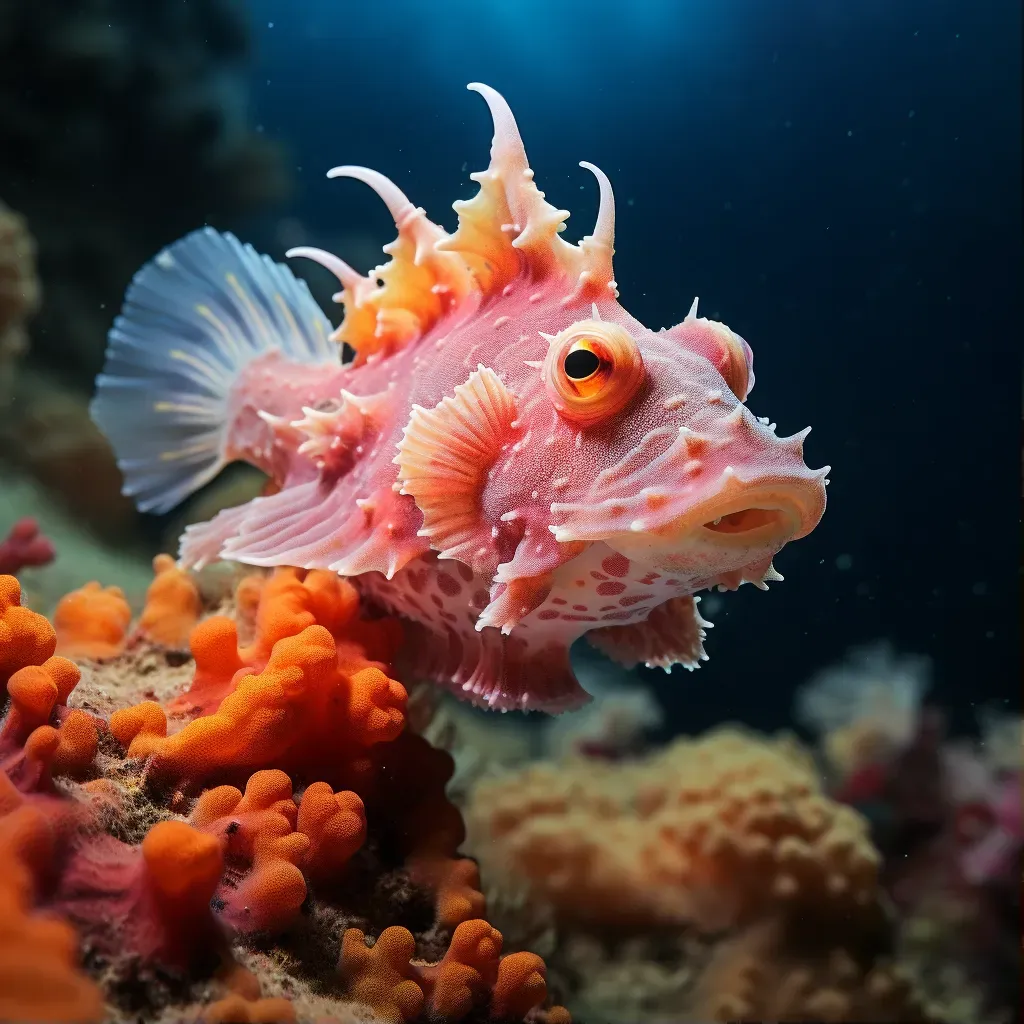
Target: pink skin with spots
column 478, row 482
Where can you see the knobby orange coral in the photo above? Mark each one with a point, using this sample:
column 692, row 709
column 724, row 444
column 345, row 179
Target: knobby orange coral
column 471, row 975
column 92, row 622
column 309, row 701
column 26, row 638
column 173, row 605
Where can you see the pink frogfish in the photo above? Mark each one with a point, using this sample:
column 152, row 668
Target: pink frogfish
column 509, row 462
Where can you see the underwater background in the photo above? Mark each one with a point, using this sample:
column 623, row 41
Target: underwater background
column 837, row 181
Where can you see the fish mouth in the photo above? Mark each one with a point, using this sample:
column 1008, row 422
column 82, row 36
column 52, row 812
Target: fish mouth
column 770, row 510
column 740, row 524
column 755, row 520
column 745, row 520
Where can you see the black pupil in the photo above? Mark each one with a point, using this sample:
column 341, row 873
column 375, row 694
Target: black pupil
column 580, row 364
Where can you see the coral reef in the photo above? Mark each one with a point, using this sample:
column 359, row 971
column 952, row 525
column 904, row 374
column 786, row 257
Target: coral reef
column 715, row 879
column 195, row 898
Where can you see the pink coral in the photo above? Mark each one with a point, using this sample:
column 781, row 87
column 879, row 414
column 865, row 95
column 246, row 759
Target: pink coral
column 25, row 547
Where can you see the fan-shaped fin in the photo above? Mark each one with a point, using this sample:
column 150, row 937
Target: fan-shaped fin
column 443, row 461
column 193, row 319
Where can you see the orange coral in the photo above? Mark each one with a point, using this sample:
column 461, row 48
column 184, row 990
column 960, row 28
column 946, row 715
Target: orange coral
column 466, row 973
column 286, row 603
column 236, row 1009
column 336, row 826
column 308, row 699
column 149, row 903
column 26, row 638
column 92, row 622
column 472, row 974
column 181, row 870
column 381, row 976
column 31, row 749
column 172, row 605
column 258, row 829
column 455, row 882
column 39, row 974
column 298, row 714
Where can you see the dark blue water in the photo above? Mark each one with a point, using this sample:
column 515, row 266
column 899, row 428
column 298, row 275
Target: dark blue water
column 838, row 181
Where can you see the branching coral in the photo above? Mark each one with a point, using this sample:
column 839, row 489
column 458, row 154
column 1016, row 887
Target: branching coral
column 472, row 974
column 297, row 714
column 711, row 832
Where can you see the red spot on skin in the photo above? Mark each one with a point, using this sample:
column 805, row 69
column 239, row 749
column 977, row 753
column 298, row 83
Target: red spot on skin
column 481, row 599
column 547, row 614
column 672, row 583
column 579, row 607
column 579, row 618
column 631, row 599
column 559, row 600
column 464, row 571
column 606, row 608
column 449, row 617
column 650, row 578
column 598, row 575
column 616, row 565
column 417, row 580
column 438, row 603
column 610, row 589
column 448, row 584
column 581, row 583
column 618, row 616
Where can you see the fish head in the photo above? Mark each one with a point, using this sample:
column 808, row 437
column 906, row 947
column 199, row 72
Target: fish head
column 674, row 471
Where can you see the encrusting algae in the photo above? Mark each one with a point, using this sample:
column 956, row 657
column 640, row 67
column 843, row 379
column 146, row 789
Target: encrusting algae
column 277, row 803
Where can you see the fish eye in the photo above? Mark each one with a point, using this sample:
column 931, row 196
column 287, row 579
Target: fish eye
column 593, row 368
column 581, row 363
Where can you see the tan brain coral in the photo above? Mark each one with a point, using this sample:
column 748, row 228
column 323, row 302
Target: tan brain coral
column 713, row 831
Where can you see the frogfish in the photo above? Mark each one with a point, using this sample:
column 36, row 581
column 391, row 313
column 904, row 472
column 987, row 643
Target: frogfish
column 509, row 462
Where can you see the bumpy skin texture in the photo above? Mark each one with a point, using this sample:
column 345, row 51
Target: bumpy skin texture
column 511, row 460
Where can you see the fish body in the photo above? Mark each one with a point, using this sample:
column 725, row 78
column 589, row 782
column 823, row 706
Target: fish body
column 511, row 461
